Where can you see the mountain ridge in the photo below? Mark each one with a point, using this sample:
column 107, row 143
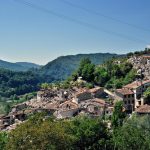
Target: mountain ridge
column 59, row 68
column 17, row 66
column 63, row 66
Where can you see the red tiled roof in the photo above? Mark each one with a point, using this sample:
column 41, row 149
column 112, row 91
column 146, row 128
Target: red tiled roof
column 51, row 106
column 143, row 109
column 146, row 81
column 69, row 103
column 146, row 56
column 125, row 91
column 100, row 101
column 133, row 85
column 136, row 84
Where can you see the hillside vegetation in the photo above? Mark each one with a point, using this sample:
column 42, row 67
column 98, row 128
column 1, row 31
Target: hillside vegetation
column 112, row 74
column 18, row 83
column 62, row 67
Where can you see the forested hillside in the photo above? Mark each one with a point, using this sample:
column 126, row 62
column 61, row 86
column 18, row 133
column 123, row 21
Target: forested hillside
column 17, row 82
column 62, row 67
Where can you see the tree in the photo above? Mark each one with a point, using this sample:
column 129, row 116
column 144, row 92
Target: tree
column 39, row 134
column 90, row 133
column 134, row 134
column 79, row 133
column 147, row 95
column 45, row 86
column 118, row 114
column 101, row 76
column 86, row 70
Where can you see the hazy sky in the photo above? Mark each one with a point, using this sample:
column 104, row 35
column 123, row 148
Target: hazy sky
column 42, row 30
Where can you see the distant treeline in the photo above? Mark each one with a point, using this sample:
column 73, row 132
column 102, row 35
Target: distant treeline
column 17, row 83
column 138, row 53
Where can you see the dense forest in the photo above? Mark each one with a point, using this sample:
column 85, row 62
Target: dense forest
column 17, row 83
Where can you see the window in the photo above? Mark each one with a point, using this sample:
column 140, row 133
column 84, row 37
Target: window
column 128, row 102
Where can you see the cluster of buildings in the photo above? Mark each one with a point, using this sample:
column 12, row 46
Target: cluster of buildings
column 132, row 94
column 60, row 103
column 142, row 64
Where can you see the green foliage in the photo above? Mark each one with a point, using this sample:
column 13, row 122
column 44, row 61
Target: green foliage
column 39, row 134
column 3, row 140
column 17, row 83
column 134, row 134
column 113, row 74
column 147, row 95
column 4, row 108
column 139, row 53
column 45, row 86
column 118, row 115
column 90, row 134
column 79, row 133
column 101, row 76
column 86, row 70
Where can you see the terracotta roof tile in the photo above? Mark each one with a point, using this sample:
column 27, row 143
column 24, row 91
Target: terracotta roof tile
column 125, row 91
column 136, row 84
column 143, row 109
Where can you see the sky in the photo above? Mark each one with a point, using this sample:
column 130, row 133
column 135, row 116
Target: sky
column 41, row 30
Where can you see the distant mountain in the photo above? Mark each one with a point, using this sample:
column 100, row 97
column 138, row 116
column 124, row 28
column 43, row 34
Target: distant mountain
column 19, row 66
column 62, row 67
column 58, row 69
column 28, row 65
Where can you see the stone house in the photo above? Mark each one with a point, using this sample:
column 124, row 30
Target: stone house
column 18, row 107
column 146, row 59
column 127, row 96
column 82, row 96
column 93, row 107
column 6, row 121
column 66, row 110
column 86, row 94
column 46, row 95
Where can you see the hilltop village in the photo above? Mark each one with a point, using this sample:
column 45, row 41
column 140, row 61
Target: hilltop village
column 94, row 102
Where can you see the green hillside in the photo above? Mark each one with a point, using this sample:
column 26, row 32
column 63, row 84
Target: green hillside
column 62, row 67
column 19, row 66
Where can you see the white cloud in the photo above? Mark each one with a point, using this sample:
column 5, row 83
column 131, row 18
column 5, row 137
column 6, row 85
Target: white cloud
column 148, row 46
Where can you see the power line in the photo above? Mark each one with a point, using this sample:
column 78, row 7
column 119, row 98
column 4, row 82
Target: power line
column 89, row 25
column 103, row 15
